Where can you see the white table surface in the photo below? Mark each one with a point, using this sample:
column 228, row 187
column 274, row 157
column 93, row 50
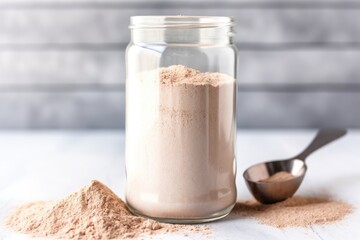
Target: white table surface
column 41, row 165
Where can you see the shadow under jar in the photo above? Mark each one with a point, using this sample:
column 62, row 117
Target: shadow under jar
column 180, row 118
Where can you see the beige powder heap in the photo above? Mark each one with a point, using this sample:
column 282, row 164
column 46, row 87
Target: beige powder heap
column 179, row 74
column 278, row 177
column 94, row 212
column 180, row 148
column 295, row 212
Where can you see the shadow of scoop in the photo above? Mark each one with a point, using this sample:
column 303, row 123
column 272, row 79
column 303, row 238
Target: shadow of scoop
column 293, row 212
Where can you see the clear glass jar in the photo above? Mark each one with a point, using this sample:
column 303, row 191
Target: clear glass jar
column 180, row 118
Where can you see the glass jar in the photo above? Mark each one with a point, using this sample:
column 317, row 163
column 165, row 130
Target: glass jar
column 180, row 118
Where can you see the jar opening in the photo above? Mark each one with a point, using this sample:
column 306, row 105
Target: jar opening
column 179, row 21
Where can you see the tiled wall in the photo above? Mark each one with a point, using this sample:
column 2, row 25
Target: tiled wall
column 62, row 62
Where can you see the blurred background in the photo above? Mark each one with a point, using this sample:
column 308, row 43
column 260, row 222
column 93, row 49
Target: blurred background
column 62, row 62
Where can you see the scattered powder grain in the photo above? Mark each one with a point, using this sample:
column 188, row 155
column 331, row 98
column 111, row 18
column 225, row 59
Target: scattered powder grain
column 278, row 177
column 94, row 212
column 295, row 212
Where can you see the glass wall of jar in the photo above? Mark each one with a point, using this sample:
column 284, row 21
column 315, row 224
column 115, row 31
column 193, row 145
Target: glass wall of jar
column 180, row 118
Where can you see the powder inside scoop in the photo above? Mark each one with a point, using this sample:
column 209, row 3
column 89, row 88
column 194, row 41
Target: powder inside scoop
column 278, row 177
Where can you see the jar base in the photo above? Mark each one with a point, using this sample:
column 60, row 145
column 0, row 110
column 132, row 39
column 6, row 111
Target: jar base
column 213, row 217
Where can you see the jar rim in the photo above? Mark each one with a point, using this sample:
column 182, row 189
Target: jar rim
column 179, row 21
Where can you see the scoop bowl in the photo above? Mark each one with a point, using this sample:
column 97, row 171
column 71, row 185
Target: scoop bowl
column 273, row 192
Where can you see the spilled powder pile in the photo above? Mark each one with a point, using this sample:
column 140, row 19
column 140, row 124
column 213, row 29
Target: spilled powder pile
column 278, row 177
column 295, row 212
column 94, row 212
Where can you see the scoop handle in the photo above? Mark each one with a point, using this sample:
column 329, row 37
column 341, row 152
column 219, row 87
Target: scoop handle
column 323, row 137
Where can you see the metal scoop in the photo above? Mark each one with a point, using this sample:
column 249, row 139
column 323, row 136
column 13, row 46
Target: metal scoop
column 272, row 192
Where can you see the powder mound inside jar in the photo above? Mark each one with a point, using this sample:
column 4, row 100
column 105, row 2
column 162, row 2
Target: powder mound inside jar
column 295, row 212
column 181, row 118
column 94, row 212
column 179, row 74
column 278, row 177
